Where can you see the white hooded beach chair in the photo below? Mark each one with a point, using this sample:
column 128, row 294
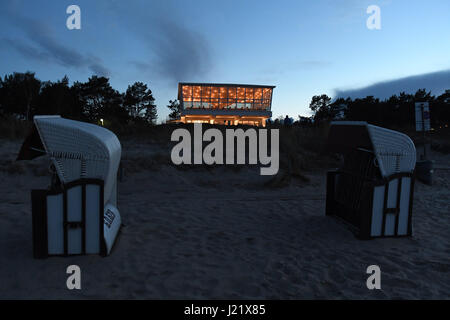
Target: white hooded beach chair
column 373, row 189
column 79, row 214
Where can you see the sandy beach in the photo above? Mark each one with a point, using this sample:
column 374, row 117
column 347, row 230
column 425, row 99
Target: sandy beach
column 222, row 233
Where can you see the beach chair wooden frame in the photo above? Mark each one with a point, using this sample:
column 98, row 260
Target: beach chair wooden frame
column 69, row 220
column 370, row 220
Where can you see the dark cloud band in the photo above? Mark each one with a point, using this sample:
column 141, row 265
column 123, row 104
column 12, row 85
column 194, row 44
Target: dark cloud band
column 436, row 82
column 39, row 44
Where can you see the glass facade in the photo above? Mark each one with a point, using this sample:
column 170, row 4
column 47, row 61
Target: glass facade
column 207, row 96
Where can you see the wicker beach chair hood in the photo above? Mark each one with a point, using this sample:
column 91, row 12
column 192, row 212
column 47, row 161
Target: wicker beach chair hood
column 395, row 152
column 77, row 150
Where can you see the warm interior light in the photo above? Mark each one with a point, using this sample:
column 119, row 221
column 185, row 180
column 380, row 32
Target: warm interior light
column 226, row 97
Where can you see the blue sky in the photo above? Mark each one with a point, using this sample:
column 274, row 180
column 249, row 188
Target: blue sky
column 302, row 47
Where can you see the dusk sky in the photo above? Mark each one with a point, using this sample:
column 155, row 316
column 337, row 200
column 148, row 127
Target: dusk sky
column 304, row 48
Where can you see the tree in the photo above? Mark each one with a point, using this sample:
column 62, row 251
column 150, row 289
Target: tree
column 320, row 106
column 18, row 94
column 339, row 108
column 304, row 121
column 59, row 98
column 100, row 100
column 139, row 103
column 150, row 115
column 422, row 95
column 319, row 102
column 367, row 109
column 440, row 109
column 175, row 108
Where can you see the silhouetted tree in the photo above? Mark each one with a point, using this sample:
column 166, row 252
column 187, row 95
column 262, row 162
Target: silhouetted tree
column 175, row 108
column 59, row 98
column 139, row 103
column 304, row 121
column 100, row 100
column 151, row 115
column 422, row 95
column 440, row 110
column 398, row 110
column 18, row 94
column 22, row 95
column 339, row 108
column 320, row 106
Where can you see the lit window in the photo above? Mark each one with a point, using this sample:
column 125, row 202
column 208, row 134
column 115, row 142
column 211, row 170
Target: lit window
column 267, row 92
column 249, row 94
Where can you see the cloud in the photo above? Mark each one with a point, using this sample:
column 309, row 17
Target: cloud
column 181, row 53
column 177, row 53
column 26, row 50
column 40, row 45
column 436, row 82
column 98, row 69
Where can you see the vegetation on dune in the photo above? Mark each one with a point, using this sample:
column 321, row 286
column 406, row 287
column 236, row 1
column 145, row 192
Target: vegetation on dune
column 133, row 114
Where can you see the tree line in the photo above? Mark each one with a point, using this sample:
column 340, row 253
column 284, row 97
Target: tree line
column 22, row 96
column 398, row 110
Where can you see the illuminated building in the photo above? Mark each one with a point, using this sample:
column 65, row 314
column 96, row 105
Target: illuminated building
column 227, row 104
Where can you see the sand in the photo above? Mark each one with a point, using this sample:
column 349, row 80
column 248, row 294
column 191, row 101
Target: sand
column 219, row 233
